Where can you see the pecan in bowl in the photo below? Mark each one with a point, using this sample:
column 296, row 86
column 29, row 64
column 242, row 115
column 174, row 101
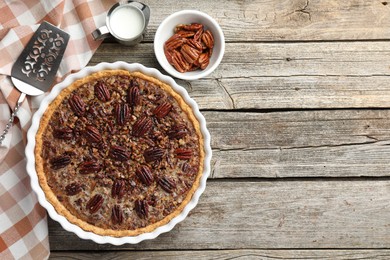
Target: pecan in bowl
column 189, row 44
column 190, row 48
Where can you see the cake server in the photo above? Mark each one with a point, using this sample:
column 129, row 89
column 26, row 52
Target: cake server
column 34, row 71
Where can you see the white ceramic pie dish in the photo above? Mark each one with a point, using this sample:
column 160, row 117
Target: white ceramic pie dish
column 31, row 157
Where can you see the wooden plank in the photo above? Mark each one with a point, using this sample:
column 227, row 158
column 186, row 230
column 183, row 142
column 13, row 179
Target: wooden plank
column 262, row 20
column 276, row 59
column 339, row 143
column 305, row 59
column 274, row 215
column 297, row 92
column 290, row 92
column 227, row 254
column 273, row 75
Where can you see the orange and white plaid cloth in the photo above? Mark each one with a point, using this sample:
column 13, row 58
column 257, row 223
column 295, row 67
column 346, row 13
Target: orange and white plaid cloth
column 23, row 223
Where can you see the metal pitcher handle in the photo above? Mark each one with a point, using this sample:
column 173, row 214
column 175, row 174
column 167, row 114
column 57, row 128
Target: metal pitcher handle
column 101, row 33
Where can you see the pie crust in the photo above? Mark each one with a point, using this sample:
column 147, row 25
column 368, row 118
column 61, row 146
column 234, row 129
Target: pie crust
column 72, row 150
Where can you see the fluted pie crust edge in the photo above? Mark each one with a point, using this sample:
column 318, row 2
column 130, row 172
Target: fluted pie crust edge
column 52, row 198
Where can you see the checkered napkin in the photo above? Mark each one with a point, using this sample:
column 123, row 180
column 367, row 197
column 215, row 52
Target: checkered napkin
column 23, row 223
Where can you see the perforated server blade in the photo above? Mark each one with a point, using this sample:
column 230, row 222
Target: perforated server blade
column 34, row 70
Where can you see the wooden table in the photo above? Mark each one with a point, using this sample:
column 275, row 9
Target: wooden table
column 299, row 116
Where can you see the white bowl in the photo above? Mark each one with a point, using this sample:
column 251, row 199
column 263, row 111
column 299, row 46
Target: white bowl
column 166, row 30
column 31, row 157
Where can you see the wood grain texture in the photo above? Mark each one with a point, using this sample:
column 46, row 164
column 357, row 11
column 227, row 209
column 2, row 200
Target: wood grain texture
column 287, row 20
column 273, row 215
column 339, row 143
column 283, row 76
column 302, row 93
column 228, row 254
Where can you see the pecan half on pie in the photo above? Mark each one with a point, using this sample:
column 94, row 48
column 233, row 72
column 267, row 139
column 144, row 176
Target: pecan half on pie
column 119, row 153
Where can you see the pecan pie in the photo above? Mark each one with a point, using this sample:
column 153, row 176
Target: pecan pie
column 119, row 153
